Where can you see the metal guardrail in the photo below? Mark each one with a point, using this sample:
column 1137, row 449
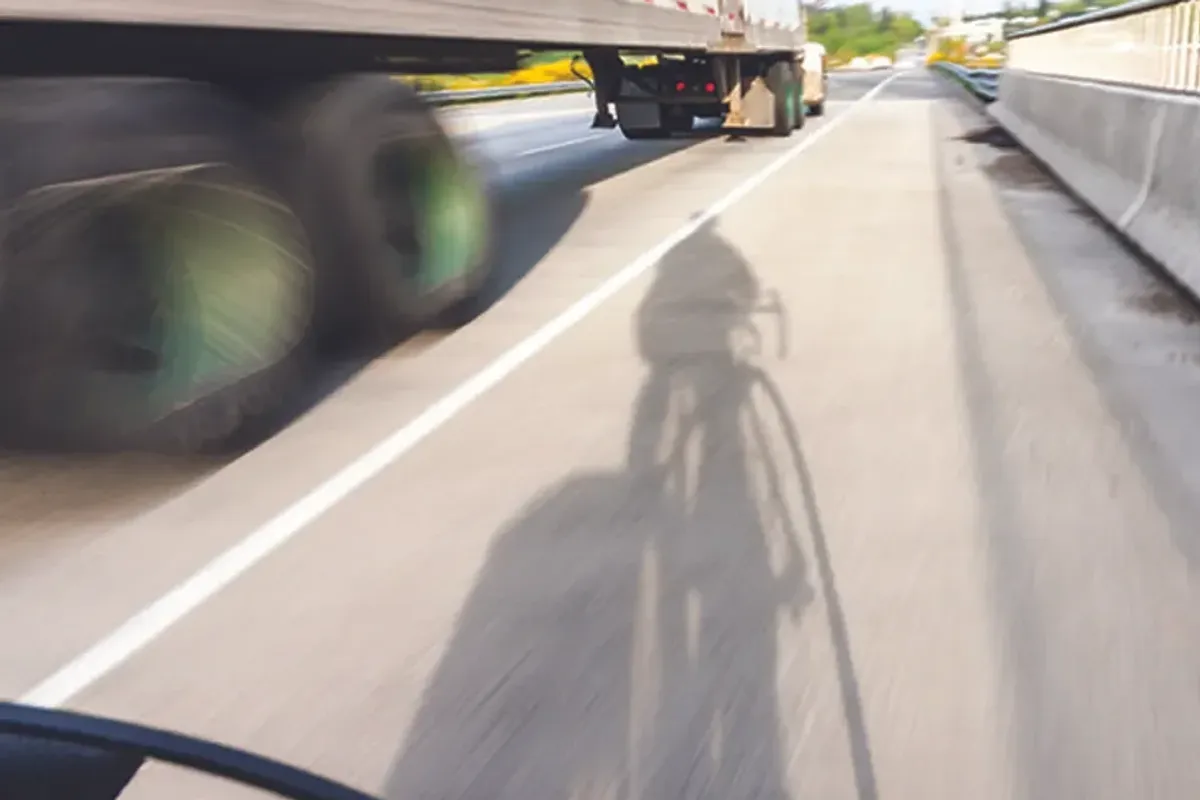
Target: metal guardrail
column 449, row 96
column 1149, row 44
column 1112, row 12
column 983, row 83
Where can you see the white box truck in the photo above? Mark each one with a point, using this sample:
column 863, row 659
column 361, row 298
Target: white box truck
column 816, row 77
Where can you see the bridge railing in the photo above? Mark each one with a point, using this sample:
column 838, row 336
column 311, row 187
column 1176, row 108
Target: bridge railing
column 1154, row 44
column 1110, row 102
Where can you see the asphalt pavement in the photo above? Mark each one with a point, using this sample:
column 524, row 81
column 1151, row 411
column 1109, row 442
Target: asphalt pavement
column 859, row 464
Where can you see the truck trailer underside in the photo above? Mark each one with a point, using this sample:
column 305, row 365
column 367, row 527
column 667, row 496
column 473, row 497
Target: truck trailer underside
column 197, row 197
column 544, row 24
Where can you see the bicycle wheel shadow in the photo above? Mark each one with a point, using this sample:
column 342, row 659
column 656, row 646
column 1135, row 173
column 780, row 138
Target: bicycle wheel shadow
column 621, row 641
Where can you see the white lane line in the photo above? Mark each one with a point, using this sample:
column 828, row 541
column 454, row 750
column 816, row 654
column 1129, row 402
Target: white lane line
column 559, row 145
column 145, row 626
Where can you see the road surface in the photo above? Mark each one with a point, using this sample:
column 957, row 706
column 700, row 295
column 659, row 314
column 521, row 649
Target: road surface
column 855, row 465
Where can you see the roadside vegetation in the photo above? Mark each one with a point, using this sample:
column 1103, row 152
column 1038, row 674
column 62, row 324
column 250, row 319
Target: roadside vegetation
column 956, row 50
column 1015, row 18
column 1043, row 11
column 861, row 30
column 539, row 67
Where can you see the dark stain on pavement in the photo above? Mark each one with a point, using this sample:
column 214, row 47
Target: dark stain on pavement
column 1018, row 171
column 1162, row 302
column 994, row 135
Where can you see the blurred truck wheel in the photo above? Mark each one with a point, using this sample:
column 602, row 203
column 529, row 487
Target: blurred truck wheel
column 798, row 108
column 781, row 80
column 400, row 222
column 155, row 292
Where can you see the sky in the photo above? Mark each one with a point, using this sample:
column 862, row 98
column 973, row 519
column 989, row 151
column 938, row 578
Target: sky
column 926, row 10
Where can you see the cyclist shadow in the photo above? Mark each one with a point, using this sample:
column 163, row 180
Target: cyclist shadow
column 621, row 641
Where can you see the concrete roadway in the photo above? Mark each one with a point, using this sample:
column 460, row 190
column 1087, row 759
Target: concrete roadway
column 854, row 465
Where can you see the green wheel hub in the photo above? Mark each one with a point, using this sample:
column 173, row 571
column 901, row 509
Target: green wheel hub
column 189, row 286
column 454, row 221
column 232, row 293
column 436, row 215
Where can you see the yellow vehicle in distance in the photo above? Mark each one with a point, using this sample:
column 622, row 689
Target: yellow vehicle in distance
column 816, row 77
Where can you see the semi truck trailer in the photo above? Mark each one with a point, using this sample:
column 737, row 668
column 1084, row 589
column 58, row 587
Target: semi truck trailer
column 198, row 196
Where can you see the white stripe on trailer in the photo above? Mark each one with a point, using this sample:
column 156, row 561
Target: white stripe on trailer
column 676, row 5
column 777, row 14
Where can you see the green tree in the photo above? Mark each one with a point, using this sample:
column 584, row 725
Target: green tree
column 858, row 29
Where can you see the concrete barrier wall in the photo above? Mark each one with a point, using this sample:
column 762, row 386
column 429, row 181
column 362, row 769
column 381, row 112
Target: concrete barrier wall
column 1132, row 154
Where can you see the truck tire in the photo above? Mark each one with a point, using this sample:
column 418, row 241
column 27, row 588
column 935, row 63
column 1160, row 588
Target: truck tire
column 640, row 134
column 678, row 119
column 401, row 224
column 155, row 292
column 798, row 108
column 781, row 81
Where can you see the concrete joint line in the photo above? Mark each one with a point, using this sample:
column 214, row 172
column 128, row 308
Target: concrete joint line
column 1156, row 134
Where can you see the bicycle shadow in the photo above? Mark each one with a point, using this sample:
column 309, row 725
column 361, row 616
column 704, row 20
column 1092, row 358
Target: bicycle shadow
column 622, row 640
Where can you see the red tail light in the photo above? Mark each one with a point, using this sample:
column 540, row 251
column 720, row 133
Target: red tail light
column 710, row 87
column 680, row 86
